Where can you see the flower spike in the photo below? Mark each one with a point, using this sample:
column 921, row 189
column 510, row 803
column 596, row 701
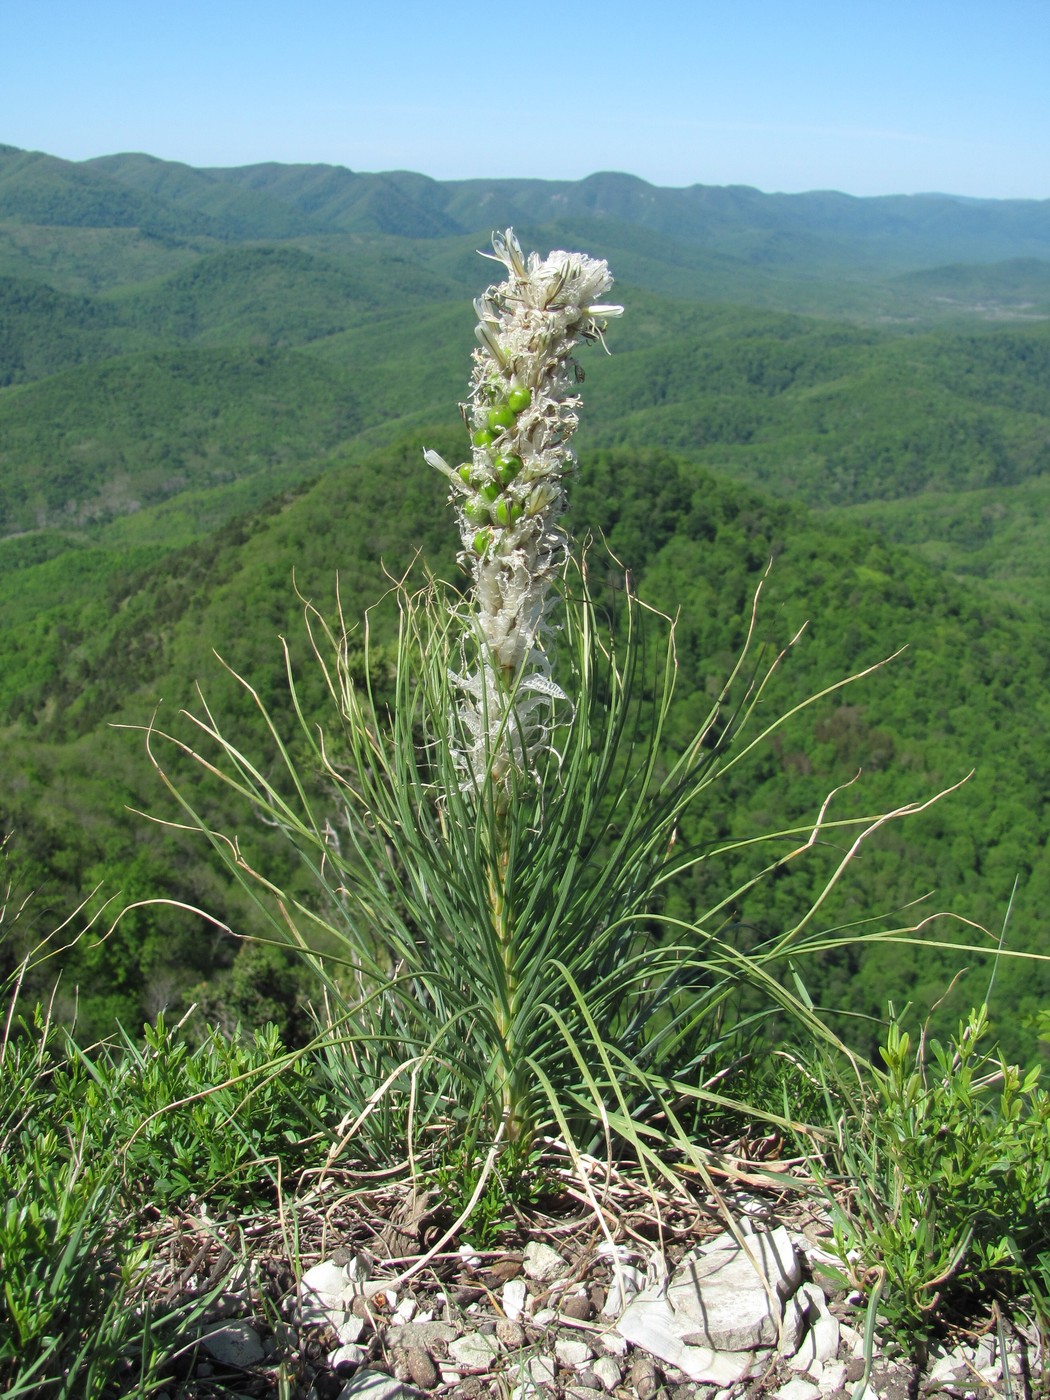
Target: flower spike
column 522, row 415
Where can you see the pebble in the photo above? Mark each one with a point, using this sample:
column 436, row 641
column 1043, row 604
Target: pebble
column 474, row 1352
column 515, row 1296
column 541, row 1370
column 486, row 1341
column 643, row 1377
column 798, row 1389
column 421, row 1368
column 234, row 1344
column 571, row 1352
column 607, row 1372
column 348, row 1355
column 510, row 1333
column 543, row 1264
column 578, row 1306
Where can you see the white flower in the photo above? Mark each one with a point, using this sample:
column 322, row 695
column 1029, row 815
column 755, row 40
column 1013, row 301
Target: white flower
column 509, row 497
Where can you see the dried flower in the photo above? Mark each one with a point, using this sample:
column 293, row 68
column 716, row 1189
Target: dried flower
column 510, row 496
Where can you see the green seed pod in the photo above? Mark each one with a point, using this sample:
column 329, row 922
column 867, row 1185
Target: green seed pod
column 519, row 399
column 507, row 466
column 489, row 493
column 507, row 511
column 481, row 541
column 500, row 417
column 483, row 438
column 476, row 511
column 465, row 472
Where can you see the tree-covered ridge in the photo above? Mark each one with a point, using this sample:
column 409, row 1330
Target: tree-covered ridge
column 969, row 691
column 189, row 414
column 831, row 413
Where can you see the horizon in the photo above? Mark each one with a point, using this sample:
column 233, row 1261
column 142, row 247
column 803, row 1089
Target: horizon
column 899, row 100
column 515, row 179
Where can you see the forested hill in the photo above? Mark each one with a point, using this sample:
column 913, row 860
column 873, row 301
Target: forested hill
column 211, row 379
column 283, row 201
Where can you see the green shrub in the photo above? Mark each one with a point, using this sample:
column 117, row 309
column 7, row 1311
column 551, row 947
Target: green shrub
column 946, row 1179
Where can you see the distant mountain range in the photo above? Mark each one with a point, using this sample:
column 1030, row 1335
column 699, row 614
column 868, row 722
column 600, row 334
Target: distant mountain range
column 275, row 201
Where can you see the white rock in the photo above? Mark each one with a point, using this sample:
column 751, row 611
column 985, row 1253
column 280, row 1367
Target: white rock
column 824, row 1324
column 946, row 1368
column 234, row 1344
column 607, row 1371
column 349, row 1329
column 821, row 1341
column 542, row 1263
column 627, row 1282
column 544, row 1317
column 474, row 1352
column 348, row 1355
column 406, row 1309
column 613, row 1343
column 792, row 1327
column 651, row 1324
column 526, row 1389
column 323, row 1295
column 798, row 1389
column 571, row 1352
column 515, row 1294
column 851, row 1339
column 542, row 1370
column 832, row 1377
column 727, row 1300
column 374, row 1385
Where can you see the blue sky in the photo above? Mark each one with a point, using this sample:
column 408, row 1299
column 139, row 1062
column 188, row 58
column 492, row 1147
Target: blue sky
column 898, row 96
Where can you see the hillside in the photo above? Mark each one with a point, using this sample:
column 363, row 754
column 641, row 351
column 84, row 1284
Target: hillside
column 211, row 379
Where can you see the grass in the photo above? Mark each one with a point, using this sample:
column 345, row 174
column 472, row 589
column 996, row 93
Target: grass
column 936, row 1166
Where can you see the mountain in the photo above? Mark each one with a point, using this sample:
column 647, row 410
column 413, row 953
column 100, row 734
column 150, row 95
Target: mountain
column 271, row 201
column 213, row 379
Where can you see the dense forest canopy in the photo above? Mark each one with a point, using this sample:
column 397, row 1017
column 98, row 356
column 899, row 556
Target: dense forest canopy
column 211, row 379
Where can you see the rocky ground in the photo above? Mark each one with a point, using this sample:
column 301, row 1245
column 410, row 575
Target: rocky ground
column 664, row 1304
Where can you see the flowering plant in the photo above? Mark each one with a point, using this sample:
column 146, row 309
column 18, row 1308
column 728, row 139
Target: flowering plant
column 511, row 495
column 489, row 853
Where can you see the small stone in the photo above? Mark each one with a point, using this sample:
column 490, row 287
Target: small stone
column 579, row 1391
column 543, row 1264
column 376, row 1385
column 578, row 1306
column 349, row 1330
column 541, row 1370
column 627, row 1281
column 428, row 1335
column 607, row 1372
column 544, row 1317
column 643, row 1377
column 798, row 1389
column 421, row 1368
column 945, row 1368
column 474, row 1352
column 471, row 1388
column 832, row 1377
column 510, row 1333
column 852, row 1340
column 348, row 1355
column 515, row 1296
column 613, row 1343
column 234, row 1344
column 572, row 1353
